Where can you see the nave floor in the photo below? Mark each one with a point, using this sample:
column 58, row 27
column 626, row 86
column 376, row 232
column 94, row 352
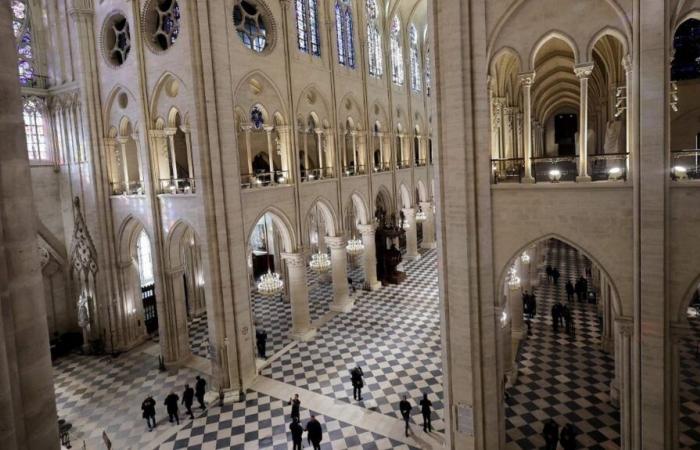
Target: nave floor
column 394, row 334
column 561, row 378
column 689, row 388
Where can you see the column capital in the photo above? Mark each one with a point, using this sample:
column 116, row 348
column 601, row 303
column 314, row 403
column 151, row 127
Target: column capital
column 527, row 78
column 335, row 242
column 156, row 133
column 367, row 229
column 295, row 259
column 268, row 128
column 123, row 140
column 409, row 212
column 318, row 131
column 246, row 127
column 626, row 325
column 170, row 131
column 426, row 205
column 584, row 70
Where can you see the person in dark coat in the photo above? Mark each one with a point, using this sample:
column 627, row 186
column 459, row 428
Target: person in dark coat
column 314, row 433
column 188, row 399
column 567, row 438
column 560, row 314
column 566, row 313
column 149, row 412
column 200, row 387
column 551, row 434
column 425, row 409
column 569, row 291
column 296, row 405
column 261, row 342
column 533, row 306
column 548, row 269
column 297, row 433
column 405, row 408
column 555, row 275
column 578, row 290
column 358, row 383
column 584, row 289
column 171, row 402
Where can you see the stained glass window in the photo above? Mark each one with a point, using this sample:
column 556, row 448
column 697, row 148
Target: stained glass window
column 397, row 70
column 428, row 74
column 21, row 26
column 344, row 33
column 686, row 56
column 416, row 84
column 34, row 129
column 374, row 41
column 145, row 261
column 168, row 27
column 250, row 25
column 257, row 118
column 308, row 34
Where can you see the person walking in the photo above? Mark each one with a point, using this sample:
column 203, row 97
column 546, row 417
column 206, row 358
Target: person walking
column 560, row 313
column 356, row 376
column 171, row 402
column 569, row 291
column 425, row 409
column 548, row 270
column 261, row 342
column 200, row 387
column 405, row 408
column 533, row 305
column 314, row 432
column 567, row 438
column 296, row 406
column 551, row 434
column 149, row 412
column 566, row 313
column 188, row 399
column 555, row 275
column 578, row 290
column 584, row 289
column 297, row 433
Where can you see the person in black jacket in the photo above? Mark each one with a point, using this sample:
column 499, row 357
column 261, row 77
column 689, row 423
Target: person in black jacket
column 171, row 402
column 149, row 412
column 200, row 387
column 358, row 383
column 261, row 342
column 567, row 438
column 314, row 432
column 188, row 399
column 569, row 291
column 297, row 433
column 551, row 434
column 405, row 408
column 425, row 410
column 296, row 404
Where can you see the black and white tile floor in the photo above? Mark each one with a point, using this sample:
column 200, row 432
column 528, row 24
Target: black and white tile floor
column 689, row 388
column 566, row 379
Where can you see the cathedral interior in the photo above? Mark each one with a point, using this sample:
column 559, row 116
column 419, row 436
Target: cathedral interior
column 485, row 206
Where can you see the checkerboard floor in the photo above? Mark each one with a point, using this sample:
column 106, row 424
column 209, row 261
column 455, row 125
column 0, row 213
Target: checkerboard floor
column 263, row 423
column 199, row 336
column 566, row 379
column 105, row 393
column 689, row 388
column 393, row 334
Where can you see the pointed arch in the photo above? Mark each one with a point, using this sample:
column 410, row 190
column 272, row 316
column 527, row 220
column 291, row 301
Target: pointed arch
column 169, row 86
column 180, row 234
column 607, row 31
column 406, row 197
column 330, row 218
column 360, row 206
column 128, row 233
column 283, row 224
column 553, row 34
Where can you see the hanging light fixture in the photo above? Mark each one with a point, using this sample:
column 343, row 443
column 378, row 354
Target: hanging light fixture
column 513, row 278
column 355, row 247
column 270, row 283
column 525, row 258
column 320, row 262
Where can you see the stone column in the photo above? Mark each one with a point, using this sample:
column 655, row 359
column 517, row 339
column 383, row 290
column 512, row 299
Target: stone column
column 496, row 124
column 248, row 150
column 283, row 132
column 527, row 79
column 125, row 163
column 428, row 226
column 172, row 320
column 509, row 131
column 298, row 287
column 342, row 302
column 607, row 339
column 583, row 72
column 319, row 148
column 411, row 234
column 171, row 151
column 380, row 137
column 623, row 382
column 188, row 142
column 270, row 153
column 515, row 304
column 112, row 171
column 519, row 135
column 369, row 259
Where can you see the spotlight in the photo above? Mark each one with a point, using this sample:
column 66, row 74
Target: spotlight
column 614, row 173
column 554, row 175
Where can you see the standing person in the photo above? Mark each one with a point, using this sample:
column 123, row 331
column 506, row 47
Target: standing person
column 567, row 438
column 149, row 412
column 425, row 410
column 560, row 314
column 171, row 406
column 405, row 408
column 533, row 305
column 578, row 290
column 569, row 291
column 358, row 383
column 555, row 275
column 297, row 433
column 548, row 269
column 567, row 319
column 296, row 405
column 584, row 289
column 200, row 387
column 188, row 399
column 314, row 432
column 261, row 342
column 551, row 434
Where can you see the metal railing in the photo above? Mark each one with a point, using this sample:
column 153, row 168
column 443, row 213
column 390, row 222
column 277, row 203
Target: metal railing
column 685, row 164
column 554, row 169
column 507, row 170
column 351, row 171
column 130, row 188
column 382, row 167
column 177, row 186
column 264, row 179
column 317, row 174
column 608, row 166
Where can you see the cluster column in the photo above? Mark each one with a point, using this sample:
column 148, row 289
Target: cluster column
column 298, row 288
column 583, row 72
column 526, row 80
column 428, row 226
column 369, row 261
column 342, row 302
column 411, row 234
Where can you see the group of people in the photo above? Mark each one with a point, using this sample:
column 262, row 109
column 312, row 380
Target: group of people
column 552, row 274
column 425, row 409
column 172, row 403
column 561, row 316
column 552, row 436
column 580, row 289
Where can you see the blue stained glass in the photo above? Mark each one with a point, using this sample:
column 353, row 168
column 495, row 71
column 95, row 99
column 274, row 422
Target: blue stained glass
column 256, row 118
column 22, row 29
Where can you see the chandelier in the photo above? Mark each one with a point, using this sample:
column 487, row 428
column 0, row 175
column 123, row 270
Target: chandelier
column 320, row 262
column 513, row 279
column 421, row 216
column 355, row 247
column 270, row 284
column 525, row 258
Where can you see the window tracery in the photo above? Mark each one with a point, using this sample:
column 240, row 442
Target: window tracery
column 251, row 26
column 344, row 33
column 168, row 24
column 374, row 41
column 416, row 84
column 308, row 34
column 34, row 129
column 21, row 26
column 397, row 69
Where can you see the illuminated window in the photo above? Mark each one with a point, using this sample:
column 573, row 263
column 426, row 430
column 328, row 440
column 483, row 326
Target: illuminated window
column 344, row 33
column 25, row 46
column 416, row 84
column 397, row 70
column 145, row 261
column 308, row 34
column 34, row 129
column 374, row 41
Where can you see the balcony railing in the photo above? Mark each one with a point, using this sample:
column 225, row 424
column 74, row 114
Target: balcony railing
column 507, row 170
column 685, row 165
column 420, row 162
column 560, row 168
column 177, row 186
column 382, row 167
column 317, row 174
column 351, row 171
column 608, row 166
column 130, row 188
column 264, row 179
column 404, row 164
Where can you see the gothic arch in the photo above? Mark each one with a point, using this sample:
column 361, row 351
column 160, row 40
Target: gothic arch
column 128, row 233
column 330, row 218
column 283, row 224
column 607, row 31
column 422, row 193
column 258, row 84
column 554, row 34
column 361, row 206
column 168, row 88
column 681, row 315
column 406, row 197
column 176, row 238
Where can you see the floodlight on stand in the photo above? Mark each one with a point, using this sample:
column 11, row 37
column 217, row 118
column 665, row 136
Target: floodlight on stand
column 680, row 172
column 554, row 175
column 614, row 173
